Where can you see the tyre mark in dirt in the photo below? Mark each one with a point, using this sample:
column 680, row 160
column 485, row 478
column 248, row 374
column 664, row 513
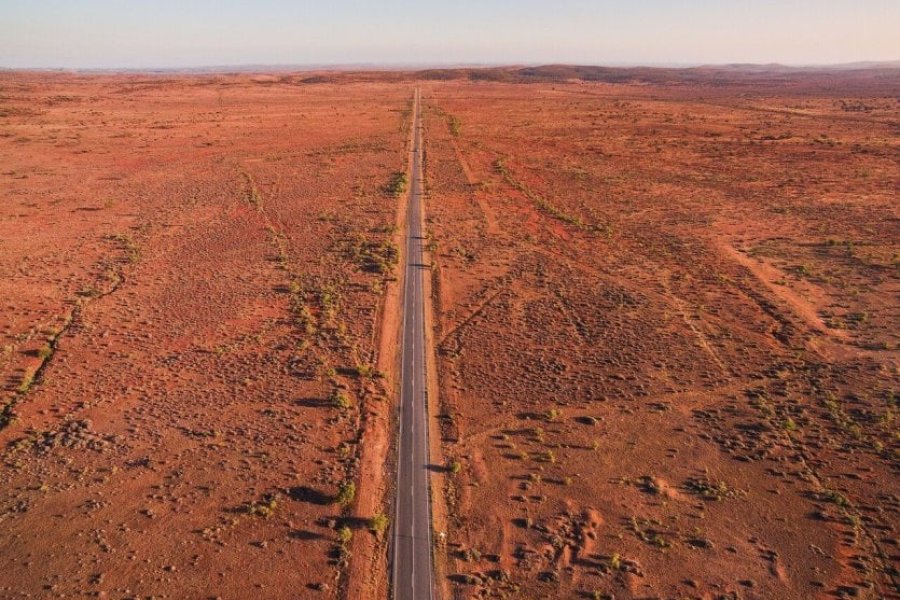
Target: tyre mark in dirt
column 490, row 217
column 682, row 309
column 472, row 316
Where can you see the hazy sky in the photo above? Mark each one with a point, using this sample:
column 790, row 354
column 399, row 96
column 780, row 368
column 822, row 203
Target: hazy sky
column 177, row 33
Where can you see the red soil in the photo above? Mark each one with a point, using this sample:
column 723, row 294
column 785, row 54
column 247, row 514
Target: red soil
column 187, row 257
column 668, row 338
column 665, row 322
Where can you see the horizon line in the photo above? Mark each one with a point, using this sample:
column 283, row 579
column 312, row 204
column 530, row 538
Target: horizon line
column 401, row 66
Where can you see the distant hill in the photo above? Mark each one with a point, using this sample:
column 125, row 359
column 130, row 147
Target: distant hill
column 883, row 75
column 657, row 75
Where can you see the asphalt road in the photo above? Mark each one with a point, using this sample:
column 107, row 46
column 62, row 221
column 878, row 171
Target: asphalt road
column 412, row 571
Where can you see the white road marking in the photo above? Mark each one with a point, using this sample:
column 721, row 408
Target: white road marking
column 413, row 408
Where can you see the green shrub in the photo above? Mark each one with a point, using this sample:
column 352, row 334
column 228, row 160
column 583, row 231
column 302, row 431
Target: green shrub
column 378, row 523
column 397, row 184
column 339, row 399
column 346, row 493
column 264, row 508
column 345, row 535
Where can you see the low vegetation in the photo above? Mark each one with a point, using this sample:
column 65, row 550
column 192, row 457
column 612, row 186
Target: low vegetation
column 346, row 493
column 397, row 184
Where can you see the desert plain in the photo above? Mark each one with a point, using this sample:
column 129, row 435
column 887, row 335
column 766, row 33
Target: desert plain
column 665, row 332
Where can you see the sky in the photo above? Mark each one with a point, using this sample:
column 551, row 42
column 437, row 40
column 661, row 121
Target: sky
column 197, row 33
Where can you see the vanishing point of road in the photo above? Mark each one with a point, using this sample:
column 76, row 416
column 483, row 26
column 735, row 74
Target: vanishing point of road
column 412, row 547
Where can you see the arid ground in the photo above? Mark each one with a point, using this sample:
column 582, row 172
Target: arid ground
column 191, row 274
column 665, row 317
column 667, row 336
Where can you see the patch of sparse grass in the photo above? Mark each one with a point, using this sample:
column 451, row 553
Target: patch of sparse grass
column 840, row 417
column 649, row 532
column 454, row 125
column 707, row 489
column 471, row 555
column 339, row 399
column 132, row 253
column 265, row 508
column 541, row 202
column 804, row 270
column 345, row 535
column 26, row 383
column 386, row 229
column 253, row 196
column 378, row 523
column 373, row 256
column 365, row 371
column 346, row 493
column 314, row 305
column 834, row 497
column 7, row 415
column 396, row 185
column 855, row 319
column 615, row 562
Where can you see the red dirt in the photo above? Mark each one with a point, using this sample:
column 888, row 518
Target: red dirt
column 668, row 337
column 188, row 254
column 665, row 318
